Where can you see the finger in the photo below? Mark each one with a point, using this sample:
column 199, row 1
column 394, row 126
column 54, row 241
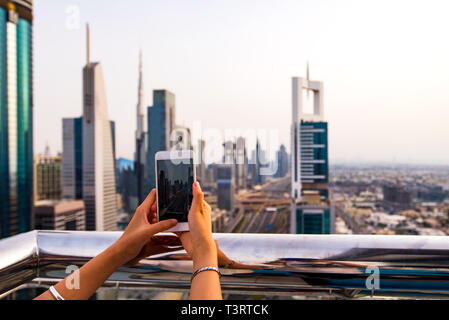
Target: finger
column 152, row 215
column 162, row 226
column 198, row 195
column 206, row 206
column 149, row 201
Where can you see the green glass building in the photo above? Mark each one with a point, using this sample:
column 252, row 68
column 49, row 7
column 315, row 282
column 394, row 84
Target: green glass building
column 16, row 117
column 161, row 123
column 313, row 220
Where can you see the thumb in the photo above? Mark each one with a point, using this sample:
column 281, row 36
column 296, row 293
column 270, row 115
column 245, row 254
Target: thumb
column 162, row 226
column 198, row 195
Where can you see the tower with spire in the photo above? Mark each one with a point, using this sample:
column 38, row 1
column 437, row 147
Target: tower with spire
column 140, row 153
column 88, row 159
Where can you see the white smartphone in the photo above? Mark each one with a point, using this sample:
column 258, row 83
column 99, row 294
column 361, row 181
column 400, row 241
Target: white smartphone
column 175, row 174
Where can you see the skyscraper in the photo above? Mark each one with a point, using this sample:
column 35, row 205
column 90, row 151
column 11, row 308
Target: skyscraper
column 241, row 162
column 201, row 166
column 311, row 209
column 72, row 158
column 89, row 141
column 126, row 184
column 257, row 162
column 282, row 159
column 99, row 191
column 141, row 143
column 161, row 123
column 16, row 117
column 225, row 186
column 47, row 177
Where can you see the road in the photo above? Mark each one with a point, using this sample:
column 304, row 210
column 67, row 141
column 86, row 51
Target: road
column 350, row 223
column 255, row 202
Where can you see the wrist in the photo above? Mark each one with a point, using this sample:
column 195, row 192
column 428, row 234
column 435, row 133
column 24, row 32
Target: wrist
column 205, row 256
column 115, row 255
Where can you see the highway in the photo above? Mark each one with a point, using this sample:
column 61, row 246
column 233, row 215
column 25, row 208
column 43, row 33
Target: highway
column 350, row 223
column 255, row 202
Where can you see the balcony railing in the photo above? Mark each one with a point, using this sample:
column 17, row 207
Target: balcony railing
column 270, row 264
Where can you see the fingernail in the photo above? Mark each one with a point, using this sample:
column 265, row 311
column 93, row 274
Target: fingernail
column 197, row 184
column 173, row 222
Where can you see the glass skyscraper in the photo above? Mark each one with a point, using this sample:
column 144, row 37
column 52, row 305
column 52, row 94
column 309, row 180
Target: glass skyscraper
column 161, row 123
column 312, row 212
column 16, row 117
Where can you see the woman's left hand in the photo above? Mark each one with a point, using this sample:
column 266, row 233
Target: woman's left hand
column 138, row 240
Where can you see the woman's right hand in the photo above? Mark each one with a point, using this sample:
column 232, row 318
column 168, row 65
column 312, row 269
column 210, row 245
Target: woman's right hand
column 204, row 251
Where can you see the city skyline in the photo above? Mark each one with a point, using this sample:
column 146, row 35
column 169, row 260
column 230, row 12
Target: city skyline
column 389, row 76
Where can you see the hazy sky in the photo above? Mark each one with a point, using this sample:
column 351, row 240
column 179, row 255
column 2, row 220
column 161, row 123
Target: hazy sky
column 384, row 64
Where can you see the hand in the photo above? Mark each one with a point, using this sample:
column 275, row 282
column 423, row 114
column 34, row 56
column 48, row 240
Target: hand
column 223, row 260
column 200, row 227
column 138, row 240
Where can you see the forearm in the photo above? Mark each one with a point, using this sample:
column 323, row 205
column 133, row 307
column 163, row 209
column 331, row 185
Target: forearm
column 91, row 276
column 206, row 284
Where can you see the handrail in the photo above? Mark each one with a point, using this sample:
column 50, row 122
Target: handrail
column 275, row 264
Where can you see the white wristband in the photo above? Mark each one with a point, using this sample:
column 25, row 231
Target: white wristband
column 55, row 293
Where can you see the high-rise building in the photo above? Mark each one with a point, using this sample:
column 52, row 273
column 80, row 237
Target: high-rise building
column 99, row 187
column 141, row 139
column 241, row 162
column 225, row 186
column 127, row 185
column 89, row 153
column 201, row 166
column 397, row 197
column 47, row 177
column 72, row 158
column 60, row 215
column 16, row 117
column 257, row 162
column 282, row 162
column 311, row 209
column 161, row 123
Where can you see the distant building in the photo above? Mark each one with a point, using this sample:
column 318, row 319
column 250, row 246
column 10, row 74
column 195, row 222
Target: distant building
column 89, row 153
column 218, row 218
column 72, row 158
column 127, row 185
column 241, row 163
column 47, row 178
column 201, row 166
column 16, row 117
column 311, row 209
column 161, row 123
column 225, row 187
column 60, row 215
column 257, row 162
column 397, row 197
column 141, row 140
column 314, row 216
column 282, row 162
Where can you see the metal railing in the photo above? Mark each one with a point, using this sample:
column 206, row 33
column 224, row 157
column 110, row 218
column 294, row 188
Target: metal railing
column 271, row 264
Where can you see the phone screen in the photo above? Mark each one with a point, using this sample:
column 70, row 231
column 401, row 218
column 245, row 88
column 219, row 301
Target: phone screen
column 174, row 186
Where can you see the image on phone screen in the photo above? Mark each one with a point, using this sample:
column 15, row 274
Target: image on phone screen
column 174, row 189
